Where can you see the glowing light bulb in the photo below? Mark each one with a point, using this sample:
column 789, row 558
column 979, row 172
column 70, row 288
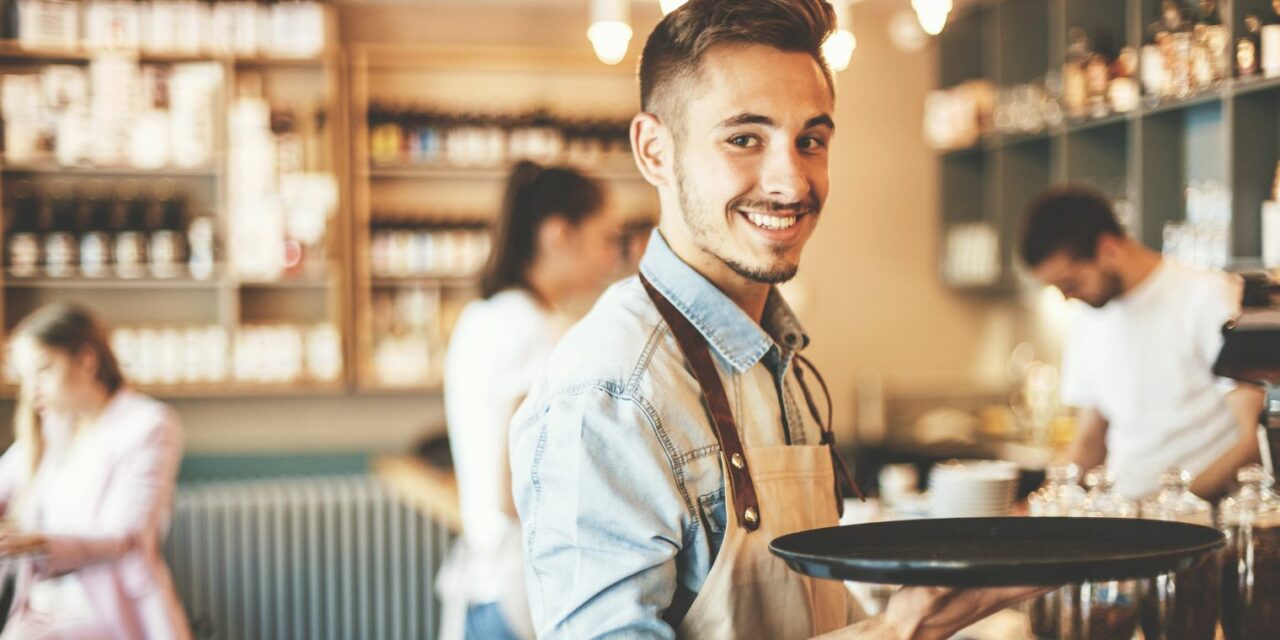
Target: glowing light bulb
column 838, row 49
column 932, row 14
column 610, row 33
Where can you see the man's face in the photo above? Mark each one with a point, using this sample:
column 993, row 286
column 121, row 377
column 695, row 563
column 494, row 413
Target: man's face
column 750, row 159
column 1080, row 279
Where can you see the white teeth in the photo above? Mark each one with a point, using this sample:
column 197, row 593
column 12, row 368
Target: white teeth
column 771, row 222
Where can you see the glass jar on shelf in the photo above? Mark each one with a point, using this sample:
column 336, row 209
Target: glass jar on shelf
column 1250, row 517
column 1059, row 496
column 1104, row 610
column 1181, row 605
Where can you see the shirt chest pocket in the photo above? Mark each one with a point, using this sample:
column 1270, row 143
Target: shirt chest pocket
column 713, row 519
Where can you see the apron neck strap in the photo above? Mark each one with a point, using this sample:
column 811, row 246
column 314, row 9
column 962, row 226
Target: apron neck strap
column 694, row 348
column 828, row 432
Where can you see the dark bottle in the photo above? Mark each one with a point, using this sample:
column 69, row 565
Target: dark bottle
column 167, row 249
column 1209, row 13
column 23, row 248
column 95, row 232
column 60, row 242
column 131, row 236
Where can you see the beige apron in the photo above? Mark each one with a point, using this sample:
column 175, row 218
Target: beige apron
column 770, row 491
column 751, row 593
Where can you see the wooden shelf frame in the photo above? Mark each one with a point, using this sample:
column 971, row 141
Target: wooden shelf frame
column 222, row 297
column 378, row 71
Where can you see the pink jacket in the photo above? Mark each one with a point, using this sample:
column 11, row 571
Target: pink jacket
column 127, row 497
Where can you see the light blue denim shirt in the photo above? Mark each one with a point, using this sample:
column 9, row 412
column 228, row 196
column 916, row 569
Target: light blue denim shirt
column 615, row 467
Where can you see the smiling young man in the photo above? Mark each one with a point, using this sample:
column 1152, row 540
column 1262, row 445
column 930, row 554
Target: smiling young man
column 671, row 437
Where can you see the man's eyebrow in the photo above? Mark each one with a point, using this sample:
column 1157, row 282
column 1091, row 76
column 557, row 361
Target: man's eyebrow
column 817, row 121
column 746, row 118
column 755, row 118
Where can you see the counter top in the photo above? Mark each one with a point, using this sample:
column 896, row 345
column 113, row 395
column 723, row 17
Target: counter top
column 429, row 489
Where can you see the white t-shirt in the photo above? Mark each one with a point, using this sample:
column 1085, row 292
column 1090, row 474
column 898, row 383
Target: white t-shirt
column 499, row 348
column 1144, row 361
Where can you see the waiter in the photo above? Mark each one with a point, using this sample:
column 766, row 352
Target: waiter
column 1138, row 364
column 671, row 437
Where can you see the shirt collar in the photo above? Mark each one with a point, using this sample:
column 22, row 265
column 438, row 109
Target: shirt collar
column 724, row 325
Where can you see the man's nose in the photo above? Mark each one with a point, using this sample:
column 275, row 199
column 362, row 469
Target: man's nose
column 783, row 177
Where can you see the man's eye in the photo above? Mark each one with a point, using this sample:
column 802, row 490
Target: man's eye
column 744, row 141
column 810, row 143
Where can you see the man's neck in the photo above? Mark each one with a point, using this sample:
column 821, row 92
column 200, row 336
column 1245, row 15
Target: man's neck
column 750, row 295
column 1139, row 266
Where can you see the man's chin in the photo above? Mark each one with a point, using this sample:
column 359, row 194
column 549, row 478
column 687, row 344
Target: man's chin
column 771, row 274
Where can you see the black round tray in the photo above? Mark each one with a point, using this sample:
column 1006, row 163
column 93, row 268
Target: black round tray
column 978, row 552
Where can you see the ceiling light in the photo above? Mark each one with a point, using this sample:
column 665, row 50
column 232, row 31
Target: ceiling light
column 839, row 46
column 932, row 14
column 609, row 33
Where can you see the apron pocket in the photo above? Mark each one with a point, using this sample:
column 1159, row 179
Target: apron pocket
column 713, row 518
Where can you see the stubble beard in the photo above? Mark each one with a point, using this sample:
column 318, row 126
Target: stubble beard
column 698, row 220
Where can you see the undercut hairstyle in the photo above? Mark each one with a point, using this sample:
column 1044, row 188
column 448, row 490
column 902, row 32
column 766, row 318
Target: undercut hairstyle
column 1070, row 219
column 674, row 52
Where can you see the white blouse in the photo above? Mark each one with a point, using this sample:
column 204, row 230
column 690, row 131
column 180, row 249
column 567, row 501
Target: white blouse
column 499, row 348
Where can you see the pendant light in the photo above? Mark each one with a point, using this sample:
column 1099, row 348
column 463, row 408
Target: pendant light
column 610, row 31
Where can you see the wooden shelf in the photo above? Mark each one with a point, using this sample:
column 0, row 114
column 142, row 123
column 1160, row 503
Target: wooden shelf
column 448, row 172
column 11, row 50
column 434, row 281
column 138, row 284
column 1229, row 134
column 288, row 283
column 223, row 300
column 50, row 167
column 223, row 390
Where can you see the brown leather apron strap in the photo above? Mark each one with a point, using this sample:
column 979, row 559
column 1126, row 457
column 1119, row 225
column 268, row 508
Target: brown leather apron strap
column 694, row 347
column 828, row 432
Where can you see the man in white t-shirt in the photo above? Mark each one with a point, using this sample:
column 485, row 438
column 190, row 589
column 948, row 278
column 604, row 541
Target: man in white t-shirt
column 1138, row 364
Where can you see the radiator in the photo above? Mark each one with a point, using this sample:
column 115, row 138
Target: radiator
column 334, row 557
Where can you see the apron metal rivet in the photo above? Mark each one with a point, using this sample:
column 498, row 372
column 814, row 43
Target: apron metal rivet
column 737, row 461
column 750, row 515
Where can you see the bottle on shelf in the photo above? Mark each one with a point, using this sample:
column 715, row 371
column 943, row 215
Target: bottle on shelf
column 201, row 244
column 60, row 232
column 166, row 252
column 131, row 237
column 95, row 238
column 1269, row 55
column 1075, row 82
column 22, row 251
column 1249, row 47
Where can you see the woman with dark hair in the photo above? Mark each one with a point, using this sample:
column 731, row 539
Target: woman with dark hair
column 87, row 490
column 557, row 240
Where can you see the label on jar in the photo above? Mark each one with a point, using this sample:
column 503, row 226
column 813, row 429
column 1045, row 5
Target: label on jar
column 95, row 254
column 60, row 251
column 24, row 254
column 165, row 254
column 131, row 250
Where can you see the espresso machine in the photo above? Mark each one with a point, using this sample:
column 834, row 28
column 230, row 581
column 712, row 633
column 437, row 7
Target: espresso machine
column 1251, row 353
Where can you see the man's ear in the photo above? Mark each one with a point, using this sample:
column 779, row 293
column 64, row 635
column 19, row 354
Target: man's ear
column 1108, row 249
column 651, row 145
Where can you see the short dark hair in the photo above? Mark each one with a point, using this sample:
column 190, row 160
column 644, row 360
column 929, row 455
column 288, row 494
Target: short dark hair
column 534, row 194
column 1069, row 218
column 675, row 49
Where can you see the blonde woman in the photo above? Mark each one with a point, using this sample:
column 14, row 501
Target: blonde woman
column 87, row 490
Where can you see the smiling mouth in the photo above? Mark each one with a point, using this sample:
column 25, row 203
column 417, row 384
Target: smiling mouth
column 771, row 222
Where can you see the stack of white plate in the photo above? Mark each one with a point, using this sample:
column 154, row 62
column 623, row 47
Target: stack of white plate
column 972, row 488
